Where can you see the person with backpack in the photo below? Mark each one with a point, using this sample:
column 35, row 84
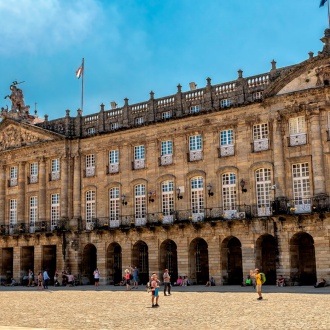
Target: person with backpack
column 260, row 280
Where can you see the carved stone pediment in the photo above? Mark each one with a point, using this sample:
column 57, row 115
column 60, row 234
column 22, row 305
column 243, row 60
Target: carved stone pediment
column 15, row 135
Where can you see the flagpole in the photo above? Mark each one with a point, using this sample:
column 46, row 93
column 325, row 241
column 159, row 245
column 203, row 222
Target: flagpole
column 328, row 15
column 82, row 85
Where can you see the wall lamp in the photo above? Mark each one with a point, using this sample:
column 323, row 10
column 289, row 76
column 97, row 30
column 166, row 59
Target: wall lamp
column 242, row 184
column 151, row 194
column 209, row 188
column 178, row 193
column 123, row 201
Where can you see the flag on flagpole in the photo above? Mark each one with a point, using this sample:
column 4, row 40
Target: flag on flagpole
column 323, row 2
column 79, row 71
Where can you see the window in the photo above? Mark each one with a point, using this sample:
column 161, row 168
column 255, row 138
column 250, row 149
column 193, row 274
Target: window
column 90, row 209
column 114, row 207
column 227, row 143
column 197, row 199
column 55, row 174
column 297, row 130
column 12, row 213
column 113, row 161
column 195, row 148
column 91, row 130
column 55, row 210
column 263, row 185
column 225, row 103
column 138, row 157
column 140, row 204
column 229, row 195
column 167, row 201
column 166, row 114
column 34, row 173
column 33, row 214
column 166, row 147
column 114, row 126
column 13, row 176
column 90, row 165
column 195, row 109
column 301, row 188
column 139, row 121
column 260, row 137
column 257, row 96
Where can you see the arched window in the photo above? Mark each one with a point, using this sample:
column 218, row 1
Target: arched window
column 114, row 207
column 167, row 201
column 229, row 195
column 140, row 205
column 197, row 198
column 263, row 185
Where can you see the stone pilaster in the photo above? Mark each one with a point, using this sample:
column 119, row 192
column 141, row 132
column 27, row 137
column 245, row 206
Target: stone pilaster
column 317, row 153
column 21, row 192
column 76, row 187
column 42, row 189
column 37, row 259
column 2, row 193
column 214, row 259
column 279, row 165
column 17, row 263
column 64, row 187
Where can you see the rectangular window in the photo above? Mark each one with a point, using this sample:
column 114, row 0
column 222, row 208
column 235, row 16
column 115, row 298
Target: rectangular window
column 114, row 207
column 55, row 165
column 114, row 126
column 12, row 212
column 166, row 148
column 114, row 157
column 301, row 188
column 55, row 210
column 139, row 121
column 166, row 114
column 138, row 152
column 91, row 130
column 34, row 169
column 260, row 131
column 195, row 142
column 13, row 176
column 195, row 109
column 257, row 96
column 90, row 165
column 197, row 199
column 227, row 137
column 225, row 103
column 140, row 205
column 167, row 201
column 297, row 125
column 229, row 195
column 90, row 208
column 33, row 216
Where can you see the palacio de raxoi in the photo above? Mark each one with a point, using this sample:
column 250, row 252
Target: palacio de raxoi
column 212, row 181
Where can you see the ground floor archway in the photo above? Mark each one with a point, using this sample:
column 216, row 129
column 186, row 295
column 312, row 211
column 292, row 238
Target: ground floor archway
column 89, row 263
column 49, row 260
column 198, row 261
column 140, row 259
column 114, row 263
column 169, row 259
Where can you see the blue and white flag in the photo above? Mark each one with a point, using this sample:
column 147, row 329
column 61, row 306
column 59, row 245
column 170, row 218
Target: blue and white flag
column 323, row 2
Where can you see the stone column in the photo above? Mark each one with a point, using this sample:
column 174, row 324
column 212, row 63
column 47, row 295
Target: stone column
column 42, row 190
column 64, row 187
column 279, row 165
column 2, row 193
column 101, row 262
column 183, row 255
column 37, row 259
column 317, row 152
column 21, row 193
column 214, row 259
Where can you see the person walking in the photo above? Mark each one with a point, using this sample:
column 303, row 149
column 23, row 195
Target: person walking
column 128, row 279
column 40, row 280
column 135, row 278
column 46, row 279
column 167, row 283
column 154, row 290
column 257, row 276
column 31, row 278
column 96, row 275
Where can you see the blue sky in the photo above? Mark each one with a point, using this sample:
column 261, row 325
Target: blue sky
column 131, row 47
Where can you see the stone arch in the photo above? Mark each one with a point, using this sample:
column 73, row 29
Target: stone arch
column 302, row 258
column 140, row 259
column 89, row 263
column 168, row 258
column 198, row 261
column 114, row 263
column 231, row 261
column 266, row 256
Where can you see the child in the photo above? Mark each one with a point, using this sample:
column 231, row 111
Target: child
column 40, row 280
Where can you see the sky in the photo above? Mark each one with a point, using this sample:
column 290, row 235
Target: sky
column 133, row 47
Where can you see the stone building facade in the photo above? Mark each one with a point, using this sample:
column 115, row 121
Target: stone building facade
column 214, row 181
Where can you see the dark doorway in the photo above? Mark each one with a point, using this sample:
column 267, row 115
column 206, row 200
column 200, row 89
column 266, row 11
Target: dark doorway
column 114, row 263
column 266, row 250
column 89, row 263
column 199, row 261
column 7, row 265
column 231, row 255
column 140, row 259
column 169, row 259
column 27, row 260
column 49, row 260
column 302, row 255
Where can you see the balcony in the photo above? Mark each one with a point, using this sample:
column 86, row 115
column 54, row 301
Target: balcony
column 195, row 155
column 12, row 182
column 166, row 160
column 260, row 145
column 33, row 178
column 226, row 150
column 113, row 168
column 138, row 164
column 54, row 176
column 297, row 139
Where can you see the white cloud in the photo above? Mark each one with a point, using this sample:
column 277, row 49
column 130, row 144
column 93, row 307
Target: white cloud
column 44, row 25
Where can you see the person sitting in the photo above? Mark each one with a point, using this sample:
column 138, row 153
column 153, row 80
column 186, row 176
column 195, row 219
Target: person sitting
column 12, row 283
column 280, row 281
column 248, row 281
column 321, row 283
column 210, row 282
column 122, row 282
column 70, row 279
column 179, row 281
